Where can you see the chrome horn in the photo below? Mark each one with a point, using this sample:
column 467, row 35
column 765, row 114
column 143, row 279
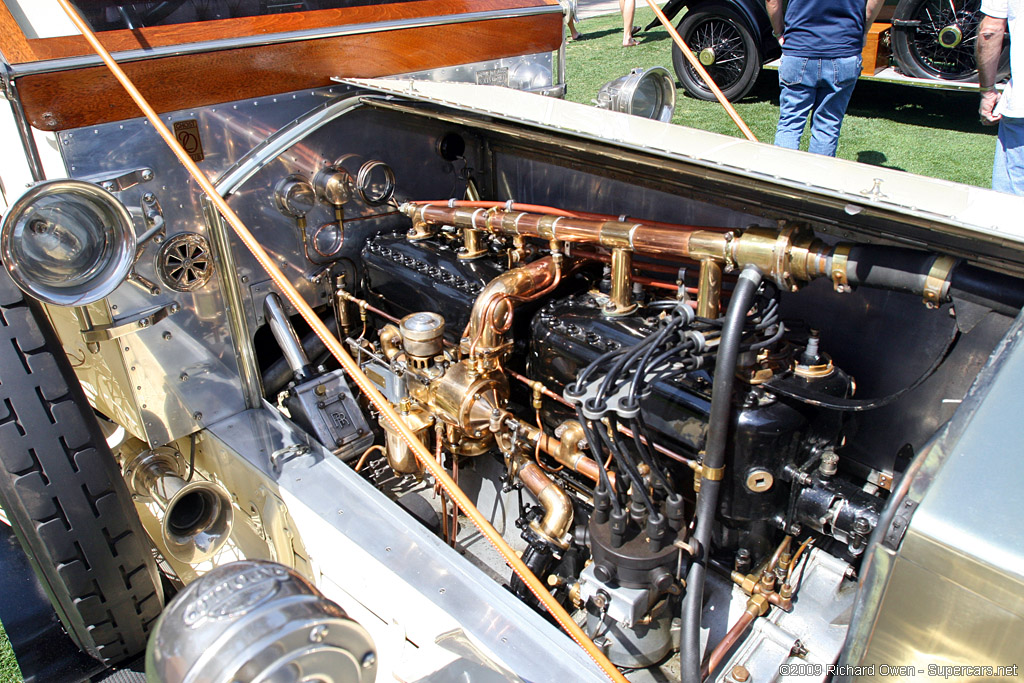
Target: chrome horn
column 196, row 516
column 68, row 242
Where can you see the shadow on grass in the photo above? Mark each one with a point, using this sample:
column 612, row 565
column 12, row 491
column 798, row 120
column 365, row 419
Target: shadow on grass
column 916, row 106
column 875, row 158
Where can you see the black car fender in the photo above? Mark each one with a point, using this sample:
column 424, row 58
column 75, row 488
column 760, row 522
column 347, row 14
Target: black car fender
column 753, row 13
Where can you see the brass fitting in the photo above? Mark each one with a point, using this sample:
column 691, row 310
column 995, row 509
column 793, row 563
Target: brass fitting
column 757, row 605
column 620, row 300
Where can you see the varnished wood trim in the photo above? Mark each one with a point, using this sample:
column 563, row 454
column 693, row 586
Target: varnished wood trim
column 161, row 36
column 15, row 46
column 72, row 99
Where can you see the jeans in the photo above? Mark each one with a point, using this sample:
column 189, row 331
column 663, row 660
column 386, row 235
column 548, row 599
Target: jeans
column 822, row 85
column 1008, row 167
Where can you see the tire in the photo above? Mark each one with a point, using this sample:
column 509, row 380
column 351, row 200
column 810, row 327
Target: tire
column 64, row 495
column 732, row 48
column 932, row 40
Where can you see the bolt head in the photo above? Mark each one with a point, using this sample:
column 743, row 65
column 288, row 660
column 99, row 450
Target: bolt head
column 368, row 660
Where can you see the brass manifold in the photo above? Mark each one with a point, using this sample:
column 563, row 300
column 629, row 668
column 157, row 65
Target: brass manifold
column 789, row 256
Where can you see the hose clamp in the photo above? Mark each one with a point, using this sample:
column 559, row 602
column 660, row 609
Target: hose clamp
column 936, row 284
column 712, row 473
column 840, row 263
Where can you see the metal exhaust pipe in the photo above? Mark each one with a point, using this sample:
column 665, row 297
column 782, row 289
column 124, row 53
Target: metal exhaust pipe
column 196, row 516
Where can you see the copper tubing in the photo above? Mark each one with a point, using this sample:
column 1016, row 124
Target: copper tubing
column 543, row 389
column 796, row 556
column 364, row 305
column 639, row 237
column 351, row 367
column 554, row 211
column 557, row 519
column 699, row 68
column 366, row 455
column 492, row 313
column 689, row 462
column 566, row 451
column 783, row 547
column 726, row 644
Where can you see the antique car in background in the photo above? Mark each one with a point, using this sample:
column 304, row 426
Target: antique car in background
column 931, row 43
column 396, row 377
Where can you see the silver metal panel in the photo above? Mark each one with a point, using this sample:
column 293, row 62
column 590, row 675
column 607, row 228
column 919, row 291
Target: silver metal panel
column 396, row 569
column 951, row 592
column 322, row 137
column 861, row 188
column 190, row 378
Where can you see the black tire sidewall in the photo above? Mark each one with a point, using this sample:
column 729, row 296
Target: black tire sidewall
column 904, row 52
column 64, row 495
column 751, row 69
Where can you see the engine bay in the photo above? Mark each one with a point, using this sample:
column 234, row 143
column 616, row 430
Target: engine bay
column 560, row 355
column 681, row 396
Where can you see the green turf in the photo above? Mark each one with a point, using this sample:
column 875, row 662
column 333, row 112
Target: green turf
column 9, row 671
column 930, row 132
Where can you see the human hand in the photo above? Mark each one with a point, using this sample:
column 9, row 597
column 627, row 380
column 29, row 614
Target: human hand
column 989, row 99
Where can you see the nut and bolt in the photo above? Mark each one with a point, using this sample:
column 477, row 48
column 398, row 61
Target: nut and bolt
column 862, row 526
column 740, row 673
column 829, row 464
column 149, row 197
column 147, row 174
column 318, row 633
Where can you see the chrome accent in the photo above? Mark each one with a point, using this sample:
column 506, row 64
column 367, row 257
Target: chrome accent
column 28, row 141
column 217, row 630
column 185, row 263
column 260, row 155
column 120, row 180
column 128, row 324
column 223, row 253
column 68, row 63
column 196, row 515
column 284, row 333
column 373, row 193
column 68, row 242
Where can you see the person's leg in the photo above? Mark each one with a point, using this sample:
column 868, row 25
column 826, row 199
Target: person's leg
column 628, row 8
column 1008, row 167
column 838, row 78
column 795, row 99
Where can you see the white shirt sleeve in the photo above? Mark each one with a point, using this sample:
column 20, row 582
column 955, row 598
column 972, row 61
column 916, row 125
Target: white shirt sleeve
column 995, row 8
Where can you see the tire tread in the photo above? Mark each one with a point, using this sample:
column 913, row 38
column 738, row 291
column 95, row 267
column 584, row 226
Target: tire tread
column 64, row 494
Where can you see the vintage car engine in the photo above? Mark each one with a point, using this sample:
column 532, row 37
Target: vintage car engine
column 487, row 380
column 583, row 355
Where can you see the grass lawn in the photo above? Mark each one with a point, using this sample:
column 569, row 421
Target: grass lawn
column 931, row 132
column 9, row 671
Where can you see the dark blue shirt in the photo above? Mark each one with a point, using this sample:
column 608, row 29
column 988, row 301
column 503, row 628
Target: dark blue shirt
column 824, row 29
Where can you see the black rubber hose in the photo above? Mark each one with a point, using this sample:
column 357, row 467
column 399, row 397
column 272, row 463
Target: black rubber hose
column 892, row 268
column 714, row 457
column 999, row 292
column 906, row 270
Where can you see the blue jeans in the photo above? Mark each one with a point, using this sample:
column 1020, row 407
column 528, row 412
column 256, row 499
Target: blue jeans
column 1008, row 168
column 821, row 85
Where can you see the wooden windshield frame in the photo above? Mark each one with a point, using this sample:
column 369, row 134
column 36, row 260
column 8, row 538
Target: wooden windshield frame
column 61, row 87
column 19, row 49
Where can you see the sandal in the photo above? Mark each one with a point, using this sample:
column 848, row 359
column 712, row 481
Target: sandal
column 633, row 42
column 635, row 32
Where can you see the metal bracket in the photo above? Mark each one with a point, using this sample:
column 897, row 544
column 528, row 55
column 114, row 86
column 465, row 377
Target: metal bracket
column 122, row 181
column 129, row 324
column 900, row 522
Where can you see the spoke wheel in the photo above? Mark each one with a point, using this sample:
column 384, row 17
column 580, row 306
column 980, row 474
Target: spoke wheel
column 936, row 39
column 726, row 49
